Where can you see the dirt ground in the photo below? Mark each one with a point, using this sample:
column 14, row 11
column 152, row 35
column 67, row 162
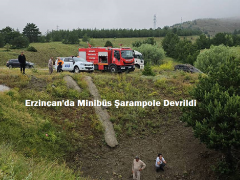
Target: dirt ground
column 186, row 157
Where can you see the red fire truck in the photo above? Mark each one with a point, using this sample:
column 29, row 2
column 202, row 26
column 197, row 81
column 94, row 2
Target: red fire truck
column 109, row 59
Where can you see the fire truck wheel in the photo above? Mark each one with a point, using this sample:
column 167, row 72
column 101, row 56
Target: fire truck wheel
column 137, row 66
column 76, row 69
column 113, row 69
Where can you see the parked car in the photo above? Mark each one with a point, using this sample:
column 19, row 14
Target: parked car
column 75, row 64
column 187, row 68
column 14, row 63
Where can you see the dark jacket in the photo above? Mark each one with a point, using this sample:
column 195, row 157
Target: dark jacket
column 22, row 59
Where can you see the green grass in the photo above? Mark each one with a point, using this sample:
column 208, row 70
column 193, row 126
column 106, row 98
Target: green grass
column 135, row 87
column 16, row 166
column 45, row 132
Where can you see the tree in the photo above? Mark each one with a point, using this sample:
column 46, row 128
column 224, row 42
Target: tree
column 85, row 38
column 186, row 51
column 71, row 38
column 219, row 38
column 31, row 31
column 212, row 58
column 9, row 34
column 150, row 41
column 108, row 44
column 203, row 42
column 152, row 54
column 216, row 118
column 20, row 42
column 2, row 43
column 169, row 44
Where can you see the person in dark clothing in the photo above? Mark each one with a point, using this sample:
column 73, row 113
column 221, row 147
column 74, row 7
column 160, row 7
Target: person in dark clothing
column 59, row 68
column 22, row 61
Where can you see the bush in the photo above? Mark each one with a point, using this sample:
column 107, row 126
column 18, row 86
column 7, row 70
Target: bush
column 32, row 49
column 148, row 70
column 152, row 54
column 108, row 43
column 213, row 58
column 137, row 44
column 147, row 41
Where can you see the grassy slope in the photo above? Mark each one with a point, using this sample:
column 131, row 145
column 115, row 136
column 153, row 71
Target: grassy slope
column 56, row 49
column 25, row 128
column 16, row 166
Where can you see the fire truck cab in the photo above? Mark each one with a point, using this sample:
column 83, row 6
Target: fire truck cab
column 109, row 59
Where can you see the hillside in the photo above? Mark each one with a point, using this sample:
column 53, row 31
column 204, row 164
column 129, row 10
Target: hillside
column 75, row 135
column 58, row 49
column 70, row 140
column 212, row 26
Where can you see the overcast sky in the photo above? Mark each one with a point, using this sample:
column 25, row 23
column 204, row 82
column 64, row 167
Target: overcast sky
column 73, row 14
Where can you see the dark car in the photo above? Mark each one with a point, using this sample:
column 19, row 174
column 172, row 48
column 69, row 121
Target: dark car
column 14, row 63
column 187, row 68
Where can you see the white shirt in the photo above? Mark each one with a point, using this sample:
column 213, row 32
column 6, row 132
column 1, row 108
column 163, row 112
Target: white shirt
column 158, row 160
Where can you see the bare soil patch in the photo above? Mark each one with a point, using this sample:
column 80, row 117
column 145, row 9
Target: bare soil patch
column 186, row 157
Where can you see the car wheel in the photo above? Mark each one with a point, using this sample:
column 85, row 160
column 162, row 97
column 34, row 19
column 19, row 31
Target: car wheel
column 76, row 69
column 10, row 66
column 113, row 69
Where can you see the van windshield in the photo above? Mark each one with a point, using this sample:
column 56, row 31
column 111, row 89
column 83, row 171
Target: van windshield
column 138, row 56
column 127, row 54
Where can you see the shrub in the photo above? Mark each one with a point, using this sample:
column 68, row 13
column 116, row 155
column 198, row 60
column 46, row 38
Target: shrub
column 152, row 54
column 32, row 49
column 148, row 70
column 108, row 43
column 213, row 58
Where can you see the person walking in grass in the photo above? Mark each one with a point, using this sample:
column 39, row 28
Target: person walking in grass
column 160, row 163
column 50, row 65
column 137, row 167
column 22, row 61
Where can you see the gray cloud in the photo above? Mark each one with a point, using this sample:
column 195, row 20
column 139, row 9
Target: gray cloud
column 72, row 14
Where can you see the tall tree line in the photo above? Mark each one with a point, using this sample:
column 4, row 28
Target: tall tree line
column 60, row 35
column 187, row 52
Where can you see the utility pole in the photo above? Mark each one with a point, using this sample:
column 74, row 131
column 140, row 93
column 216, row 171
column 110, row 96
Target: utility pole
column 181, row 22
column 154, row 21
column 57, row 27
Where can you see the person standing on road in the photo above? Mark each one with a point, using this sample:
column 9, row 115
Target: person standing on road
column 50, row 65
column 22, row 61
column 160, row 163
column 137, row 167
